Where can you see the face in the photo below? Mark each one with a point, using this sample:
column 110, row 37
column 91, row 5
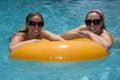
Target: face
column 93, row 22
column 35, row 25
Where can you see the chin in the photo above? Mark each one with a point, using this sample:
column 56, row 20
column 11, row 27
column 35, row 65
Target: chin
column 36, row 34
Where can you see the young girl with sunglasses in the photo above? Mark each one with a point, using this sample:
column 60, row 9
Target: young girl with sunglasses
column 33, row 32
column 93, row 29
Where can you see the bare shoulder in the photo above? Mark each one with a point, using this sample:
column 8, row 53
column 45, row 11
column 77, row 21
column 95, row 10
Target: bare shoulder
column 19, row 36
column 45, row 32
column 107, row 34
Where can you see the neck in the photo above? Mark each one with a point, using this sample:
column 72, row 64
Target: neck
column 100, row 32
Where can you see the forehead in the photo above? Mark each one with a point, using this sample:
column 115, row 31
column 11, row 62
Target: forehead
column 36, row 18
column 93, row 16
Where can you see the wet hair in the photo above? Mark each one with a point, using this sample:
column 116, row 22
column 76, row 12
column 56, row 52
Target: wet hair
column 100, row 13
column 28, row 17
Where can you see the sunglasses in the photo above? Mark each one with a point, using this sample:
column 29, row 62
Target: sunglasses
column 95, row 22
column 34, row 23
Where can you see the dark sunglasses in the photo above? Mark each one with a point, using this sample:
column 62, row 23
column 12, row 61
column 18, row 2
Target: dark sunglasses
column 95, row 22
column 33, row 23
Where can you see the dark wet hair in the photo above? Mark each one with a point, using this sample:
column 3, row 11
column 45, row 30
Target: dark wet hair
column 100, row 13
column 30, row 15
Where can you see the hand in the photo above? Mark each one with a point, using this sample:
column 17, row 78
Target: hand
column 84, row 33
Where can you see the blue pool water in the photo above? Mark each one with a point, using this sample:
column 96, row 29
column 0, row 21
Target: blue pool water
column 60, row 16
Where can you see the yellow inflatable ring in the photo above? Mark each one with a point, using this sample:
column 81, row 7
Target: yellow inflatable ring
column 60, row 51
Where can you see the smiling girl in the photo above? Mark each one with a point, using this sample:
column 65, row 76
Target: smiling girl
column 33, row 32
column 93, row 29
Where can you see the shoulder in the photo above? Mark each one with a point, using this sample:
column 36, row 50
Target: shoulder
column 46, row 33
column 107, row 34
column 18, row 35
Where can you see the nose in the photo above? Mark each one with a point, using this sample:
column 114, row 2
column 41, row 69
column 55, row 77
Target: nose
column 36, row 26
column 92, row 24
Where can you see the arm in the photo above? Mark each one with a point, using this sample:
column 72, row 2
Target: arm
column 18, row 40
column 50, row 36
column 108, row 39
column 73, row 33
column 105, row 39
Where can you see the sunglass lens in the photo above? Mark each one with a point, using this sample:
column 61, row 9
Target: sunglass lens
column 32, row 23
column 40, row 23
column 88, row 22
column 96, row 22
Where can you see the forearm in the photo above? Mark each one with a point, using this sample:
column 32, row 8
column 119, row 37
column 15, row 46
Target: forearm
column 12, row 46
column 99, row 40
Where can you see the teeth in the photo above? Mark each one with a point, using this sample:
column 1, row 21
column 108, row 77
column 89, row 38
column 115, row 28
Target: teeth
column 92, row 28
column 36, row 31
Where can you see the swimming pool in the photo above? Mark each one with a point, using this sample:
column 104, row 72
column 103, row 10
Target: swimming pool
column 60, row 16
